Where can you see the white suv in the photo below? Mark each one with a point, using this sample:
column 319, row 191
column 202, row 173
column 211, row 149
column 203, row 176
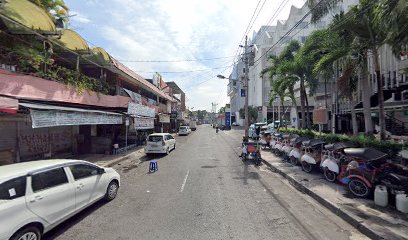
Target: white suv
column 37, row 196
column 160, row 143
column 183, row 130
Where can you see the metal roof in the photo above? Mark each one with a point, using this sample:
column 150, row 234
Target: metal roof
column 28, row 14
column 73, row 41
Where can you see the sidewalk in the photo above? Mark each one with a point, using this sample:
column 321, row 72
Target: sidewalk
column 374, row 221
column 104, row 160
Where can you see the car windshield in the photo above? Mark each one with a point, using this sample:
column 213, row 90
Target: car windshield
column 155, row 138
column 183, row 128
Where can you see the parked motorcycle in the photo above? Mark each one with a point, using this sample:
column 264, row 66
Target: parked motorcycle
column 332, row 158
column 313, row 154
column 297, row 150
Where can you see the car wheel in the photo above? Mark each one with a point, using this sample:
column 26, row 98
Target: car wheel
column 167, row 151
column 330, row 175
column 174, row 146
column 28, row 233
column 358, row 188
column 307, row 167
column 111, row 191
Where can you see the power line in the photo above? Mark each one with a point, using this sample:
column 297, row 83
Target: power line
column 180, row 60
column 274, row 16
column 306, row 25
column 246, row 30
column 288, row 32
column 198, row 70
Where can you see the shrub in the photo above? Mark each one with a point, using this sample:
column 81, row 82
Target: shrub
column 389, row 147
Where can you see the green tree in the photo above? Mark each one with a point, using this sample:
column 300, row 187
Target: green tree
column 55, row 8
column 374, row 23
column 253, row 113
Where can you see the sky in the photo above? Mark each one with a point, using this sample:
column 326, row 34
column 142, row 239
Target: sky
column 172, row 31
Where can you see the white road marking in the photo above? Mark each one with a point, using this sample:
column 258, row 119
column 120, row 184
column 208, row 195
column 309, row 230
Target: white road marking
column 184, row 182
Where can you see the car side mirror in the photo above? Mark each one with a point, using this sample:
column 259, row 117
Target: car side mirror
column 101, row 171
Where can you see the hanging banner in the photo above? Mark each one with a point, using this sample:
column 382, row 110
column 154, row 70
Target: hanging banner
column 164, row 118
column 144, row 123
column 52, row 118
column 141, row 110
column 227, row 119
column 137, row 98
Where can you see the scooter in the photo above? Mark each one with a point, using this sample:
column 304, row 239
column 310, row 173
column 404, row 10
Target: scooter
column 296, row 152
column 313, row 154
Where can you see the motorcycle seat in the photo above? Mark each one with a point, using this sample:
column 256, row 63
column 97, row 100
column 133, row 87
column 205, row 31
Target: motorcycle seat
column 369, row 154
column 342, row 145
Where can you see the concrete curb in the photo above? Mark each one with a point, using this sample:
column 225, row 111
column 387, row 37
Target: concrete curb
column 329, row 205
column 119, row 159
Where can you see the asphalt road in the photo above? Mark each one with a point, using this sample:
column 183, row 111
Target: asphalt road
column 204, row 191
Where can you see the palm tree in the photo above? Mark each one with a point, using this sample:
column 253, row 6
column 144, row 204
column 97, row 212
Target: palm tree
column 286, row 71
column 374, row 23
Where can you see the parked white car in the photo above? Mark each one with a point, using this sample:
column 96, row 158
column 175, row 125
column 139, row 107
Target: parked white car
column 183, row 130
column 37, row 196
column 160, row 143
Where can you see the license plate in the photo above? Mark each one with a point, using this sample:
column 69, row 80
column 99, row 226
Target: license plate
column 154, row 145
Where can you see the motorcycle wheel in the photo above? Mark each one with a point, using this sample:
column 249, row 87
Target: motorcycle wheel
column 358, row 188
column 307, row 167
column 293, row 161
column 330, row 175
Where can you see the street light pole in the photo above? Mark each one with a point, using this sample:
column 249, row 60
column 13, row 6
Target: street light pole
column 246, row 61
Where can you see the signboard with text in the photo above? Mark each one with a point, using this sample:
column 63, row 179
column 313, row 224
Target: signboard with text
column 163, row 118
column 54, row 118
column 227, row 119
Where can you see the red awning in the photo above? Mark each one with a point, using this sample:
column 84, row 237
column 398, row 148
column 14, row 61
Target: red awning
column 8, row 105
column 29, row 87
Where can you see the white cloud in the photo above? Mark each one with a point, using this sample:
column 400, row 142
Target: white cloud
column 173, row 30
column 79, row 17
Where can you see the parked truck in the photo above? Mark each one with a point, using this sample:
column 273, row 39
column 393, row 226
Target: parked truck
column 193, row 125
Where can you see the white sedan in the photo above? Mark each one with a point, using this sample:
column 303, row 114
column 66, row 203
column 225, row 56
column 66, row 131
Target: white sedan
column 37, row 196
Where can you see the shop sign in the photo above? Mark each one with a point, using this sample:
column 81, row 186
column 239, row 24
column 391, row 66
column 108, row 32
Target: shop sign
column 141, row 110
column 163, row 118
column 320, row 116
column 227, row 119
column 242, row 92
column 52, row 118
column 144, row 123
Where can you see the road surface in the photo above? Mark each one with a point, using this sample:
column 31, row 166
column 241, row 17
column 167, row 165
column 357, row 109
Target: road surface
column 204, row 191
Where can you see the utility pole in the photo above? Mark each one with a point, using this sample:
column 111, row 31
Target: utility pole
column 246, row 61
